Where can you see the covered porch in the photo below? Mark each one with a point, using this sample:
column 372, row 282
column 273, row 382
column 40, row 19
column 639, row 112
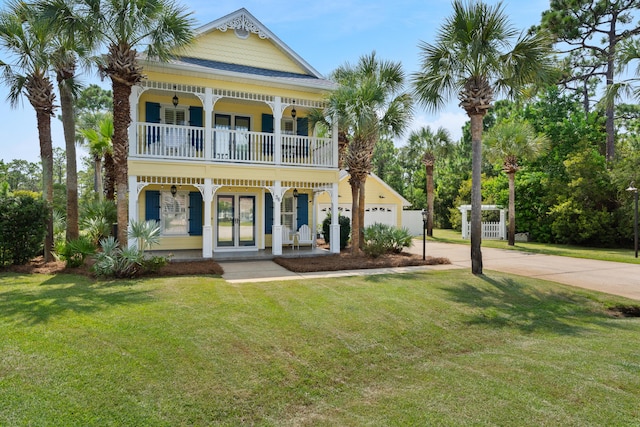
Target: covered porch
column 227, row 218
column 212, row 125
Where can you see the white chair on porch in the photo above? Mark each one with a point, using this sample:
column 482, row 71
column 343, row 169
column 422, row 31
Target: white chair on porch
column 305, row 237
column 287, row 236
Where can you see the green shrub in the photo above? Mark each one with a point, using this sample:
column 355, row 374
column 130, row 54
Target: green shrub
column 22, row 228
column 112, row 261
column 381, row 239
column 345, row 230
column 97, row 218
column 76, row 251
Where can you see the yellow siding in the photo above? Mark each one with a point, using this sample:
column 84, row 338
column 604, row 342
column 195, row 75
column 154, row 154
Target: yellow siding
column 231, row 171
column 252, row 51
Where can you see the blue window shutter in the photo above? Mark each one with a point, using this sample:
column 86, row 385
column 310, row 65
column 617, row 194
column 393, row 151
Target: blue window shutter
column 268, row 213
column 195, row 213
column 195, row 119
column 302, row 124
column 152, row 206
column 267, row 123
column 267, row 127
column 152, row 112
column 195, row 116
column 302, row 210
column 152, row 115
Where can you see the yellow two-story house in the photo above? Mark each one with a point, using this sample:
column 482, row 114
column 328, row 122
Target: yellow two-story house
column 222, row 153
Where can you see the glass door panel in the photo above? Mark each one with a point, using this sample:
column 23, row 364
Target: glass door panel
column 236, row 224
column 226, row 222
column 247, row 223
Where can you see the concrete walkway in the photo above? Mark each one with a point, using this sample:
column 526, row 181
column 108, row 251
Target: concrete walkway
column 604, row 276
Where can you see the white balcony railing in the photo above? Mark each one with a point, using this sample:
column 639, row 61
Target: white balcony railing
column 235, row 146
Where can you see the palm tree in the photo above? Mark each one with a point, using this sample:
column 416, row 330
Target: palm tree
column 71, row 40
column 27, row 41
column 160, row 27
column 100, row 147
column 368, row 103
column 434, row 145
column 474, row 57
column 512, row 141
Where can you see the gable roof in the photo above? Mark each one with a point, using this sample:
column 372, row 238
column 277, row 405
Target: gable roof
column 241, row 19
column 345, row 174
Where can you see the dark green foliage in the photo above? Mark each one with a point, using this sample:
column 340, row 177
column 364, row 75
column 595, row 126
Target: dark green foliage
column 76, row 251
column 22, row 228
column 380, row 239
column 345, row 230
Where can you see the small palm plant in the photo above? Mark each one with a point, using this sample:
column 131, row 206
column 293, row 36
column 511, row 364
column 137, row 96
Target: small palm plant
column 146, row 233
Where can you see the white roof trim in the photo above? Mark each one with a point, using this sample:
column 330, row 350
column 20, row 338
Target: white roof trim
column 242, row 19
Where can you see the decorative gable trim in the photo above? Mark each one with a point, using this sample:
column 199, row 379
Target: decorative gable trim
column 242, row 22
column 242, row 19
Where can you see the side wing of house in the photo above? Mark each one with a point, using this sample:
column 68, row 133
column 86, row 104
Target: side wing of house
column 383, row 204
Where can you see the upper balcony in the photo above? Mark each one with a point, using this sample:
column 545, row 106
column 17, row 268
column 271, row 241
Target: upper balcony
column 191, row 143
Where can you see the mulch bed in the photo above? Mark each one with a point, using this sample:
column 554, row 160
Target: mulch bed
column 346, row 261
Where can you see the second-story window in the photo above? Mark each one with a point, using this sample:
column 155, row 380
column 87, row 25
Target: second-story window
column 175, row 116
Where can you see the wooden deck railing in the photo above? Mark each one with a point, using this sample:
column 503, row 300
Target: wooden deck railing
column 235, row 146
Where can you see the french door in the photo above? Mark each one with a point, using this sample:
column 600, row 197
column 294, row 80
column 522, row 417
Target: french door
column 236, row 221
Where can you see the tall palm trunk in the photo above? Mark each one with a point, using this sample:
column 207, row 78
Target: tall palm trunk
column 476, row 192
column 97, row 159
column 109, row 177
column 69, row 128
column 430, row 200
column 41, row 97
column 512, row 208
column 355, row 217
column 121, row 120
column 361, row 211
column 46, row 156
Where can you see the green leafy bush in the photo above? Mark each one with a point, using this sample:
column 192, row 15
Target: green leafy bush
column 381, row 239
column 22, row 228
column 345, row 230
column 76, row 251
column 112, row 261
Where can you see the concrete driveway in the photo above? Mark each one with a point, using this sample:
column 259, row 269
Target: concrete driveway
column 611, row 277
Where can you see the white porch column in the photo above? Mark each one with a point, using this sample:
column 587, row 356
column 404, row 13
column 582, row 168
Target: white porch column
column 314, row 219
column 335, row 224
column 134, row 97
column 465, row 228
column 276, row 231
column 277, row 132
column 207, row 230
column 334, row 141
column 133, row 207
column 208, row 123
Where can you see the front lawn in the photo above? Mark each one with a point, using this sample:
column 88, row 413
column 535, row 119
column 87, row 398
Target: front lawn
column 436, row 348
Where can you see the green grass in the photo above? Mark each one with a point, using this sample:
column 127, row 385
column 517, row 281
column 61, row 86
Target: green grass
column 603, row 254
column 438, row 348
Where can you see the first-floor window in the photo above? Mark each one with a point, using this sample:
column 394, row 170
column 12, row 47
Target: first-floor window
column 174, row 213
column 287, row 213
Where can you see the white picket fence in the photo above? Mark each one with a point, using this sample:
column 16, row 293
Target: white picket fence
column 490, row 230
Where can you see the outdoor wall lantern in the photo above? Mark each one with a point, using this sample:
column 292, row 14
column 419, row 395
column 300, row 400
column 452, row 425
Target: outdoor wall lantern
column 175, row 99
column 293, row 110
column 295, row 192
column 425, row 216
column 634, row 190
column 174, row 190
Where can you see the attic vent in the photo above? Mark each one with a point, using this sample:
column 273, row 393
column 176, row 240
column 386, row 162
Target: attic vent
column 241, row 33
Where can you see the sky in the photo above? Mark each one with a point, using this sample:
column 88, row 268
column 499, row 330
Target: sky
column 326, row 34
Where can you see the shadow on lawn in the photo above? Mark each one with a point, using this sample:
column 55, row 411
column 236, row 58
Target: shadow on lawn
column 504, row 302
column 62, row 294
